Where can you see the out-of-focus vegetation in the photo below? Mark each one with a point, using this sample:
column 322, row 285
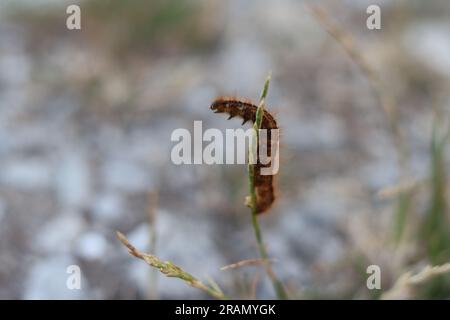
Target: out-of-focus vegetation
column 130, row 27
column 159, row 25
column 435, row 229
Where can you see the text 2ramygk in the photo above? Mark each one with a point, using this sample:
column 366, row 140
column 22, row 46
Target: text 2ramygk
column 247, row 309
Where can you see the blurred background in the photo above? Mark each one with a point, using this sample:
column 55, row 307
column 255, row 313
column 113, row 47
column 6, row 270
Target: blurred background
column 85, row 123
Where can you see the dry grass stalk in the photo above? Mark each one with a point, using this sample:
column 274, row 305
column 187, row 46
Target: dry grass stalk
column 407, row 282
column 170, row 270
column 248, row 262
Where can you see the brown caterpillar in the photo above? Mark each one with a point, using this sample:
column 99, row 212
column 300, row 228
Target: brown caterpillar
column 264, row 184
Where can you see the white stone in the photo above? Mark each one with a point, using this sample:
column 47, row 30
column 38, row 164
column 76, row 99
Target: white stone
column 108, row 206
column 73, row 180
column 26, row 174
column 92, row 246
column 59, row 234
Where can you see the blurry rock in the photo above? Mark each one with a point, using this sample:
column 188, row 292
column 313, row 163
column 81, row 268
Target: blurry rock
column 126, row 176
column 381, row 169
column 108, row 207
column 59, row 234
column 379, row 173
column 14, row 64
column 429, row 43
column 91, row 246
column 26, row 174
column 73, row 180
